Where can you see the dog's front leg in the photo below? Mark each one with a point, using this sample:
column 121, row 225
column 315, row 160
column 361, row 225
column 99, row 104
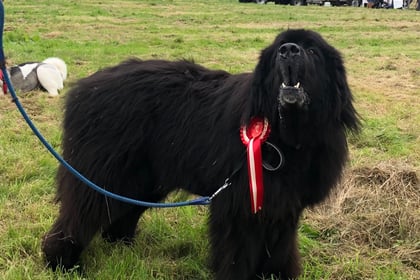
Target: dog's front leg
column 236, row 245
column 282, row 259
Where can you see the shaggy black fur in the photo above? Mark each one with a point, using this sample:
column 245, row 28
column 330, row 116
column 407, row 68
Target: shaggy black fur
column 143, row 128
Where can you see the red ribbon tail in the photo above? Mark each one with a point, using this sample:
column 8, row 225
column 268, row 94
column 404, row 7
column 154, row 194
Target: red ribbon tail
column 255, row 174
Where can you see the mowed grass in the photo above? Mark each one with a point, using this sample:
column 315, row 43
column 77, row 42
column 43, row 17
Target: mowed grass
column 370, row 229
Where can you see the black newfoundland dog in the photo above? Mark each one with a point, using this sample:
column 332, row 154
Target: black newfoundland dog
column 144, row 128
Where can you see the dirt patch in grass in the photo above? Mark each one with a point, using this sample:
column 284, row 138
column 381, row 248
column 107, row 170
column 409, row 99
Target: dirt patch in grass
column 375, row 213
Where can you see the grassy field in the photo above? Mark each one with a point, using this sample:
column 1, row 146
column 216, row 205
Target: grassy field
column 370, row 229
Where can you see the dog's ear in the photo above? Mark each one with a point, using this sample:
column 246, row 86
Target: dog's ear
column 346, row 113
column 262, row 84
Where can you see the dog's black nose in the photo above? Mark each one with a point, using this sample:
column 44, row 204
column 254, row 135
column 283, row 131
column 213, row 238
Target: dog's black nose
column 288, row 50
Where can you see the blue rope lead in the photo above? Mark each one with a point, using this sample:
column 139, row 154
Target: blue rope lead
column 198, row 201
column 2, row 60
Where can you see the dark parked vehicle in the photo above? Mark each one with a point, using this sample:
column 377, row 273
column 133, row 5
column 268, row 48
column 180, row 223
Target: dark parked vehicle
column 282, row 2
column 301, row 2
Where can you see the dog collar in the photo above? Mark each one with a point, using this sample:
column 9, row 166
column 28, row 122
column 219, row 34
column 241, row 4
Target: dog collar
column 252, row 137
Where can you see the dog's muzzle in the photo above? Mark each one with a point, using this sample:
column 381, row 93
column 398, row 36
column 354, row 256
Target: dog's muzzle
column 290, row 64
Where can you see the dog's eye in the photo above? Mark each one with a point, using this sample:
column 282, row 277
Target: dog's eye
column 311, row 51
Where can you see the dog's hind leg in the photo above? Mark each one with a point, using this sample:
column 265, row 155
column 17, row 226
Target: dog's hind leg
column 82, row 211
column 64, row 243
column 123, row 217
column 123, row 228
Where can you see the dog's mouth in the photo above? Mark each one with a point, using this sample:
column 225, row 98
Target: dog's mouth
column 290, row 65
column 292, row 95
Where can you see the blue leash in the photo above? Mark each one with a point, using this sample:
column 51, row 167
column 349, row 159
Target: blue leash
column 199, row 201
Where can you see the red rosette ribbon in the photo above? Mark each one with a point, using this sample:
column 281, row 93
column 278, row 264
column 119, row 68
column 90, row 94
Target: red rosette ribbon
column 252, row 137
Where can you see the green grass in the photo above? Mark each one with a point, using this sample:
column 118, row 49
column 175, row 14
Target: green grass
column 380, row 48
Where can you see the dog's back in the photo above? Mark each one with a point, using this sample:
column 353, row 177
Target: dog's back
column 24, row 76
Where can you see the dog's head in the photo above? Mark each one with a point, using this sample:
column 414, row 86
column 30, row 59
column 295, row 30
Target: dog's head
column 59, row 64
column 301, row 74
